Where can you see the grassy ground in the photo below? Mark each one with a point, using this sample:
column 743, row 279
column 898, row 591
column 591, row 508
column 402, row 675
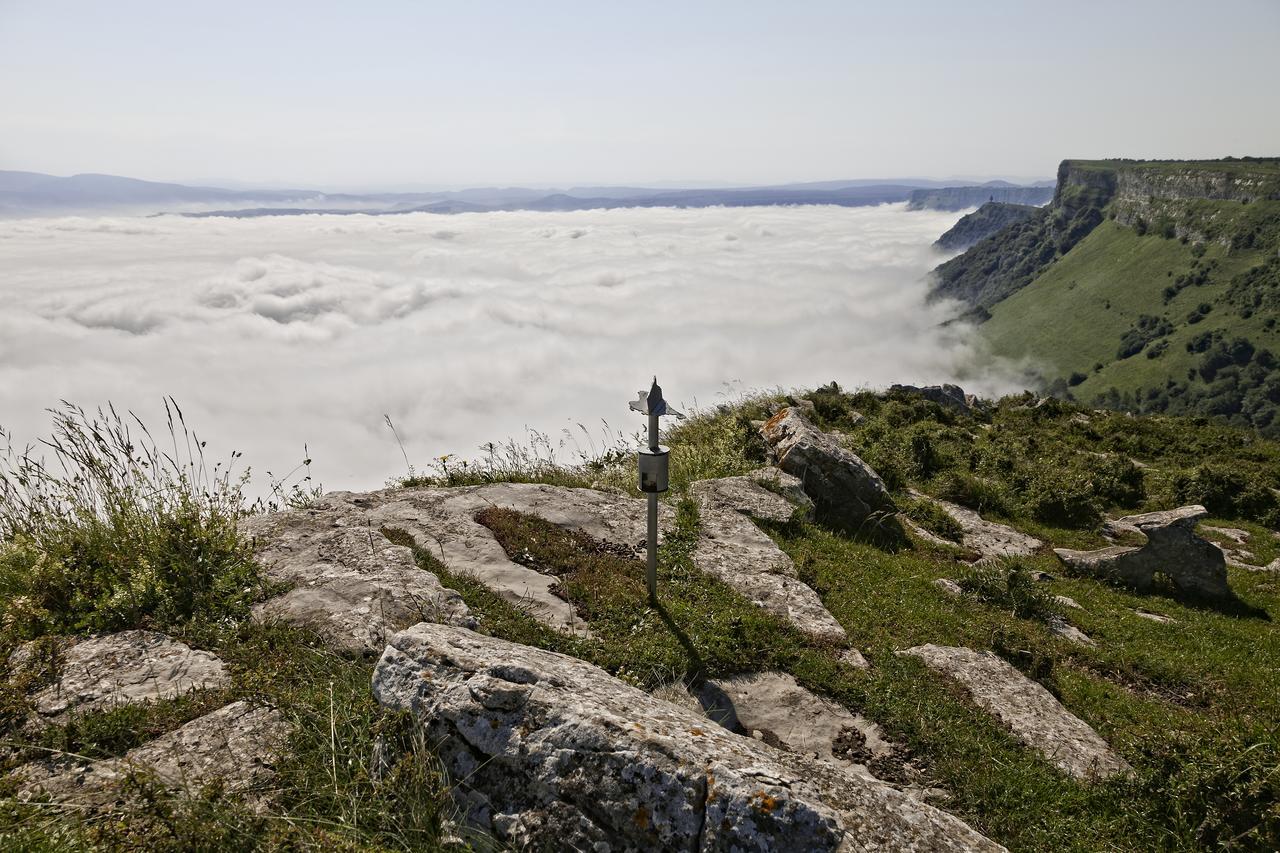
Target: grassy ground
column 1072, row 317
column 1192, row 705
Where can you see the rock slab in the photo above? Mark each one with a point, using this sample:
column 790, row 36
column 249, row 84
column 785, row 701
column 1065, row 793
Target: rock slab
column 349, row 583
column 234, row 745
column 838, row 481
column 112, row 670
column 732, row 548
column 1173, row 548
column 987, row 538
column 548, row 751
column 1029, row 710
column 772, row 706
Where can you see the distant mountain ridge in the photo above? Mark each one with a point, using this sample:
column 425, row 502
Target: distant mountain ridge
column 32, row 193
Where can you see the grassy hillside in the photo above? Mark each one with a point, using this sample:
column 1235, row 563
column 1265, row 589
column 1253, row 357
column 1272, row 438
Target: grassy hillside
column 1192, row 706
column 1145, row 285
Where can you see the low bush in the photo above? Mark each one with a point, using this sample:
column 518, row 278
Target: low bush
column 1008, row 583
column 118, row 533
column 1063, row 497
column 977, row 493
column 1228, row 491
column 933, row 518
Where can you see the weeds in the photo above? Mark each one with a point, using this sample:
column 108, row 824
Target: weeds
column 1008, row 583
column 119, row 531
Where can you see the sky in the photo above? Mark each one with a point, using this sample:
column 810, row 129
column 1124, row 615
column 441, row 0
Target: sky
column 277, row 333
column 390, row 94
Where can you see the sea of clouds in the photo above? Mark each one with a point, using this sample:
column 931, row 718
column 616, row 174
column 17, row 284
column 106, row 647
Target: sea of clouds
column 279, row 331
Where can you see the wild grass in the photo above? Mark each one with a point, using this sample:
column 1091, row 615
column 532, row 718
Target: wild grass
column 117, row 530
column 106, row 527
column 1188, row 704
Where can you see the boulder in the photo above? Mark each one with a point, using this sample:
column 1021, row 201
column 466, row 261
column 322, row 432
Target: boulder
column 549, row 752
column 235, row 746
column 737, row 552
column 948, row 396
column 108, row 671
column 1029, row 710
column 1193, row 564
column 987, row 538
column 841, row 485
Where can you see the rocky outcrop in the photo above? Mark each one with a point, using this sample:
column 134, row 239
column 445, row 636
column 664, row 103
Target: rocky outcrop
column 234, row 746
column 348, row 582
column 547, row 751
column 987, row 538
column 371, row 588
column 112, row 670
column 1193, row 564
column 730, row 547
column 982, row 223
column 359, row 588
column 842, row 486
column 1031, row 712
column 948, row 396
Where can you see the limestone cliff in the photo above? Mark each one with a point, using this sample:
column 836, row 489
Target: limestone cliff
column 958, row 198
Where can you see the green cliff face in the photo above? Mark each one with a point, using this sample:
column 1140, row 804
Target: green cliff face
column 1153, row 286
column 982, row 223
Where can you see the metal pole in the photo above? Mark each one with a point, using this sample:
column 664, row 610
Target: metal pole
column 651, row 573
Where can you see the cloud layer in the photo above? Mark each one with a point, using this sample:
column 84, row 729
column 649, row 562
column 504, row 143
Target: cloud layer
column 275, row 332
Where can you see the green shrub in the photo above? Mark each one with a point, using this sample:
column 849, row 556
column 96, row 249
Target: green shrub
column 119, row 533
column 1228, row 491
column 975, row 492
column 1061, row 497
column 933, row 518
column 1115, row 480
column 1008, row 583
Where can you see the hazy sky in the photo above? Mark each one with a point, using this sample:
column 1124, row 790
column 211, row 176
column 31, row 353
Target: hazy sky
column 464, row 93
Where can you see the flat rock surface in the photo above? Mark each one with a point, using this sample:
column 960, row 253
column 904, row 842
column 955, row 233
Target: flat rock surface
column 772, row 707
column 838, row 481
column 359, row 588
column 100, row 673
column 1064, row 629
column 235, row 745
column 1173, row 548
column 767, row 494
column 1029, row 710
column 737, row 552
column 349, row 582
column 548, row 751
column 988, row 538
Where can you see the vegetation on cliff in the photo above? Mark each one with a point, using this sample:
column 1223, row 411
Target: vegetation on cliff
column 982, row 223
column 1145, row 285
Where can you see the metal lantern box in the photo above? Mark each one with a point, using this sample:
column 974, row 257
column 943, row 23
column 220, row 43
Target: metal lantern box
column 653, row 469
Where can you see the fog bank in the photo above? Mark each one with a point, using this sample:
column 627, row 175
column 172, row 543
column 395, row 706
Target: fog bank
column 280, row 331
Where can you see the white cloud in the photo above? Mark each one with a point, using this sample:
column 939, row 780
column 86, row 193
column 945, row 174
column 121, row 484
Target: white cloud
column 273, row 332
